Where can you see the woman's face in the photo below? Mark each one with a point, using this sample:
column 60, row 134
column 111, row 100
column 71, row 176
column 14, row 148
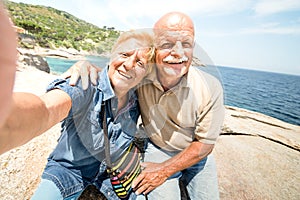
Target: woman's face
column 128, row 64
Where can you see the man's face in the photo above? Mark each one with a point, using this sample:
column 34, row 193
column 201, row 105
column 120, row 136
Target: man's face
column 174, row 52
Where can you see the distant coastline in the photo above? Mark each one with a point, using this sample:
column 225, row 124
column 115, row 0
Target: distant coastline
column 260, row 91
column 61, row 52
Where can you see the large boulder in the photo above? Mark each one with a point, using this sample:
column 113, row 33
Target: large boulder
column 258, row 157
column 36, row 61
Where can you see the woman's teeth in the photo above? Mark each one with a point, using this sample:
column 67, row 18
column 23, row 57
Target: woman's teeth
column 125, row 75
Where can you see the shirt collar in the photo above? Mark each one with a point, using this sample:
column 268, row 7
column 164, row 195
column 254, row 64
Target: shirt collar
column 104, row 84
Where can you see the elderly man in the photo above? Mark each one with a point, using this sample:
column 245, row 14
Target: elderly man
column 182, row 113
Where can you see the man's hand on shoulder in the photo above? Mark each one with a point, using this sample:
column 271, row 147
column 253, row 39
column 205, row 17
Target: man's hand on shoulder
column 82, row 69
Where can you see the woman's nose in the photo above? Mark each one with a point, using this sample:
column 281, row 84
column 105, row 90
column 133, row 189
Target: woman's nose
column 130, row 62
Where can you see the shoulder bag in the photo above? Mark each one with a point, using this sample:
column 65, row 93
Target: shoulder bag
column 123, row 171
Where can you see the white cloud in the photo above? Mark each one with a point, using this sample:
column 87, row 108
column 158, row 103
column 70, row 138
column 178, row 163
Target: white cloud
column 156, row 8
column 124, row 15
column 267, row 7
column 142, row 14
column 272, row 28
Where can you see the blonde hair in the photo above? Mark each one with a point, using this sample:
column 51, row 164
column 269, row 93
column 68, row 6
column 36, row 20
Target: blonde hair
column 145, row 36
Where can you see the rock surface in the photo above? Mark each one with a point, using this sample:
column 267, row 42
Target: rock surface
column 37, row 61
column 35, row 57
column 258, row 157
column 31, row 59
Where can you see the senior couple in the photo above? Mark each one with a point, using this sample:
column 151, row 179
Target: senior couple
column 181, row 109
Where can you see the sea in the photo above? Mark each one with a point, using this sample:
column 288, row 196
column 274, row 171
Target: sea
column 273, row 94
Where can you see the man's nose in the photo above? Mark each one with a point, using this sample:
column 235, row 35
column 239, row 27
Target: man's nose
column 177, row 49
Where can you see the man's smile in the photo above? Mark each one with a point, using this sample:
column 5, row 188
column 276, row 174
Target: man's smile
column 172, row 60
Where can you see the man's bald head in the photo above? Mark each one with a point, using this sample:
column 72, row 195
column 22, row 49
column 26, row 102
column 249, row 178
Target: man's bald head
column 175, row 21
column 174, row 43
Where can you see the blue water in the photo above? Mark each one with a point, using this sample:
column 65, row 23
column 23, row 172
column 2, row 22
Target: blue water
column 273, row 94
column 60, row 65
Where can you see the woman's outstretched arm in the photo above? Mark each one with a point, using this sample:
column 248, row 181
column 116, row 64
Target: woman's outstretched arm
column 8, row 57
column 31, row 116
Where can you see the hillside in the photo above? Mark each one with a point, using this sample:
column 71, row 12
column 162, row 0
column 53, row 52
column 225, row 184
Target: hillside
column 52, row 28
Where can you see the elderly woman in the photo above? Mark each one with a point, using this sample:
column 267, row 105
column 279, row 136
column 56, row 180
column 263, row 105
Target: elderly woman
column 78, row 159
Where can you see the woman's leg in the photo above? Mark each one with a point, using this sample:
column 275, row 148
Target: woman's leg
column 47, row 190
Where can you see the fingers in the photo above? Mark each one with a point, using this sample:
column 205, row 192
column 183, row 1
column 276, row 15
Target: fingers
column 82, row 69
column 72, row 73
column 148, row 190
column 93, row 74
column 84, row 74
column 137, row 180
column 141, row 185
column 74, row 77
column 144, row 188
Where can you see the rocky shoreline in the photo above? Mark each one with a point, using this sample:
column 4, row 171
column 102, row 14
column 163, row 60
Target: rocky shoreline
column 36, row 57
column 258, row 157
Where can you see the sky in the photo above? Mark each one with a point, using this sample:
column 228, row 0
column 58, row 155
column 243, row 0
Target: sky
column 252, row 34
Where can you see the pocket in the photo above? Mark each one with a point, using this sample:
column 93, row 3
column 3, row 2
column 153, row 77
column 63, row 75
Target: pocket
column 95, row 129
column 94, row 118
column 119, row 138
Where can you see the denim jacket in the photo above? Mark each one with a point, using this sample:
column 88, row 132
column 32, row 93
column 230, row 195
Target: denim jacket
column 77, row 159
